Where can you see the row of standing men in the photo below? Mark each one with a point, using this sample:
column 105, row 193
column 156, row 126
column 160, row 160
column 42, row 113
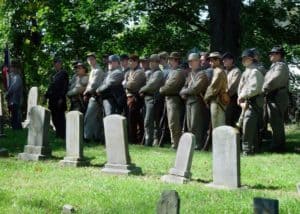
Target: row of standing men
column 208, row 92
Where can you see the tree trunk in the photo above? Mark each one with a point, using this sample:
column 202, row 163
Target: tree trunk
column 225, row 25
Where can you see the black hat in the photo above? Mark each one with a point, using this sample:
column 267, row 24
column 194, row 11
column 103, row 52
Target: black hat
column 277, row 49
column 248, row 53
column 57, row 60
column 79, row 63
column 227, row 55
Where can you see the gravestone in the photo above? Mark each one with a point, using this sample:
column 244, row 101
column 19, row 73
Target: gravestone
column 31, row 101
column 169, row 203
column 68, row 209
column 37, row 147
column 180, row 173
column 118, row 158
column 74, row 139
column 1, row 116
column 266, row 206
column 226, row 157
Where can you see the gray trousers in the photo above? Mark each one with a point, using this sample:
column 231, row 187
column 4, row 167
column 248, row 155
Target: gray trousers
column 276, row 110
column 174, row 108
column 93, row 121
column 251, row 128
column 197, row 121
column 151, row 121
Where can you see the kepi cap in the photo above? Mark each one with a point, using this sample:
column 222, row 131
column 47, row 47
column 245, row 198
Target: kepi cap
column 193, row 56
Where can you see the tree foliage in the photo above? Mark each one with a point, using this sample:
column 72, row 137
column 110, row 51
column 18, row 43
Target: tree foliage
column 36, row 31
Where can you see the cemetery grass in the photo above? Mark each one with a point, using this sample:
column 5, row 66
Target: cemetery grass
column 44, row 187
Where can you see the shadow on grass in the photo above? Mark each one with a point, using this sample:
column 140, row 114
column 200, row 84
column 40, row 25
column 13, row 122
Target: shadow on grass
column 199, row 180
column 263, row 187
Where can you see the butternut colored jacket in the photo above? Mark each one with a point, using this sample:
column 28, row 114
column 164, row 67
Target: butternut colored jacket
column 233, row 80
column 154, row 81
column 217, row 86
column 134, row 80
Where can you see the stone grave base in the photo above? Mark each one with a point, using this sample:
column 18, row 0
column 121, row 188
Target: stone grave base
column 174, row 179
column 35, row 153
column 3, row 152
column 75, row 162
column 119, row 169
column 217, row 186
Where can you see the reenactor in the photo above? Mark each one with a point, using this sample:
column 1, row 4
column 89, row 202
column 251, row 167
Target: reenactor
column 77, row 87
column 111, row 90
column 93, row 116
column 56, row 94
column 275, row 89
column 193, row 92
column 164, row 66
column 204, row 65
column 233, row 73
column 135, row 79
column 174, row 82
column 251, row 101
column 216, row 91
column 152, row 101
column 145, row 65
column 258, row 63
column 124, row 63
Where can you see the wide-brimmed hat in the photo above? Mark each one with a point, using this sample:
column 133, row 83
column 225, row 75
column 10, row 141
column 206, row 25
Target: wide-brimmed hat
column 248, row 53
column 134, row 57
column 114, row 58
column 277, row 49
column 227, row 55
column 215, row 55
column 174, row 55
column 91, row 54
column 154, row 58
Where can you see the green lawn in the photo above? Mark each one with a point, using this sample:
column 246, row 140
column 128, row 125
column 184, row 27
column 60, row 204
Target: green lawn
column 44, row 187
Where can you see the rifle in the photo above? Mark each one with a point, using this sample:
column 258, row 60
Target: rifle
column 162, row 125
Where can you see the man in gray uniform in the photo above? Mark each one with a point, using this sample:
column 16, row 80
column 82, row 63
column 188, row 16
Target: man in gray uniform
column 174, row 82
column 134, row 79
column 251, row 101
column 233, row 73
column 193, row 92
column 111, row 90
column 93, row 117
column 152, row 100
column 77, row 87
column 276, row 90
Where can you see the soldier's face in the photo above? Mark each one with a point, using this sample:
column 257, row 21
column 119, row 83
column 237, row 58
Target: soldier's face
column 144, row 64
column 113, row 65
column 274, row 57
column 124, row 63
column 214, row 62
column 91, row 61
column 247, row 61
column 194, row 64
column 227, row 62
column 80, row 70
column 203, row 61
column 173, row 63
column 153, row 65
column 132, row 64
column 57, row 66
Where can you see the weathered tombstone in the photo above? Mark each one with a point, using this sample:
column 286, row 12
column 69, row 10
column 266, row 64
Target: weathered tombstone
column 266, row 206
column 74, row 139
column 68, row 209
column 37, row 147
column 169, row 203
column 180, row 173
column 1, row 116
column 226, row 157
column 118, row 158
column 31, row 101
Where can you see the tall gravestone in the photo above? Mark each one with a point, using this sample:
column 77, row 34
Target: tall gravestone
column 180, row 173
column 37, row 147
column 74, row 139
column 118, row 158
column 169, row 203
column 226, row 157
column 31, row 101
